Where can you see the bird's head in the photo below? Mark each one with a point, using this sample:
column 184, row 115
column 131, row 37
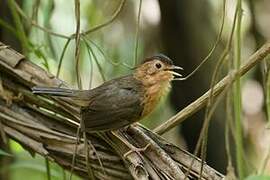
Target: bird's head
column 157, row 69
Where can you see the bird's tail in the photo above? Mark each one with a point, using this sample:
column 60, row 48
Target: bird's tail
column 53, row 91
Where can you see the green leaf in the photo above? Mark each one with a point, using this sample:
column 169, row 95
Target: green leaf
column 3, row 153
column 258, row 177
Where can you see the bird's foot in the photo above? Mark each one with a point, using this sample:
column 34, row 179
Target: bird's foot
column 134, row 149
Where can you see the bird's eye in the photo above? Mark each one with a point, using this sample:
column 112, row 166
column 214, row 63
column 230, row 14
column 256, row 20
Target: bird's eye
column 158, row 65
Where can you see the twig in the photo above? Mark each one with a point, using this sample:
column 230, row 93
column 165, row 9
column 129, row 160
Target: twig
column 48, row 13
column 2, row 132
column 91, row 51
column 62, row 57
column 8, row 27
column 109, row 59
column 265, row 161
column 202, row 141
column 237, row 95
column 34, row 15
column 257, row 57
column 229, row 131
column 267, row 89
column 19, row 26
column 72, row 36
column 88, row 167
column 34, row 23
column 48, row 169
column 91, row 72
column 78, row 39
column 137, row 34
column 214, row 46
column 74, row 153
column 114, row 16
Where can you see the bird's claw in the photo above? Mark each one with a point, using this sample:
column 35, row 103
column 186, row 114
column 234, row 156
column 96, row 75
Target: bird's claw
column 136, row 150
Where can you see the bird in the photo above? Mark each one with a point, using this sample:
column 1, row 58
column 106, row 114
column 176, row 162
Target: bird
column 122, row 101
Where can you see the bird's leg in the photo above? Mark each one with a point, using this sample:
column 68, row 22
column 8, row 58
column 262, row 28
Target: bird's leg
column 122, row 138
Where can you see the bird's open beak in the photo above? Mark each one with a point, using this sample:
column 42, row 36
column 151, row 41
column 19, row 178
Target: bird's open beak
column 175, row 73
column 176, row 67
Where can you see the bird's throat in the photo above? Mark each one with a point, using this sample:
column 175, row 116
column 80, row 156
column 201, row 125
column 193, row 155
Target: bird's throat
column 153, row 95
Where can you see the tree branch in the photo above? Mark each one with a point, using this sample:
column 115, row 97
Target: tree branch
column 192, row 108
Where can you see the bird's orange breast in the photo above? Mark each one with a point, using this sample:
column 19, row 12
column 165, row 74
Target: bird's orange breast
column 153, row 95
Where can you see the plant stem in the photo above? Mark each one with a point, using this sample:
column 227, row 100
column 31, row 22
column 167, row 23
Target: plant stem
column 19, row 27
column 48, row 168
column 137, row 34
column 237, row 95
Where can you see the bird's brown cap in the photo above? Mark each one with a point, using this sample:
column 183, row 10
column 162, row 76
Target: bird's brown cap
column 161, row 57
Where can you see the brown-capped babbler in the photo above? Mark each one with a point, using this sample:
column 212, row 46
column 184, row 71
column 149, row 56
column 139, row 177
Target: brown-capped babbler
column 122, row 101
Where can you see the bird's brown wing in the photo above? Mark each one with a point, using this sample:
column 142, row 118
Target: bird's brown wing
column 115, row 105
